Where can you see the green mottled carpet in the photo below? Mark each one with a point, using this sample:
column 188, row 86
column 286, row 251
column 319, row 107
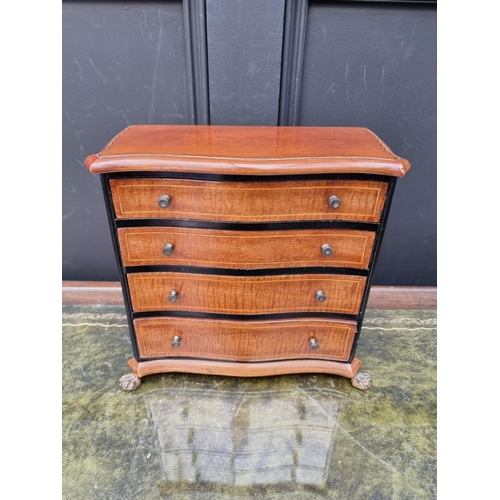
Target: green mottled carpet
column 182, row 436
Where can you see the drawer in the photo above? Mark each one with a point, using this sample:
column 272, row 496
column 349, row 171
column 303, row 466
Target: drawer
column 248, row 201
column 245, row 295
column 141, row 246
column 245, row 341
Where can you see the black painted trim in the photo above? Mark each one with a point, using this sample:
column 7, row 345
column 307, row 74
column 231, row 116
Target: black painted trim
column 244, row 317
column 197, row 358
column 373, row 263
column 217, row 271
column 294, row 39
column 249, row 178
column 123, row 279
column 237, row 226
column 195, row 31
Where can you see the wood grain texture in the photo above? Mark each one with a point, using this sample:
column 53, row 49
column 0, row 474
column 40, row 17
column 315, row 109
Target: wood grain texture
column 381, row 297
column 248, row 201
column 246, row 295
column 403, row 297
column 245, row 150
column 245, row 341
column 235, row 369
column 142, row 246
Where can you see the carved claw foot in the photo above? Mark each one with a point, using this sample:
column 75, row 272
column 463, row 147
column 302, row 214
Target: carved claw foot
column 362, row 381
column 130, row 382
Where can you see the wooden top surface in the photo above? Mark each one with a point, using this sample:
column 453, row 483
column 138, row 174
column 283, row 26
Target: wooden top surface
column 247, row 151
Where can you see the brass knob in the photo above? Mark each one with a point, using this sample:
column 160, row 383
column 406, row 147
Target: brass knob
column 164, row 201
column 176, row 341
column 320, row 296
column 173, row 296
column 168, row 249
column 327, row 250
column 334, row 201
column 313, row 344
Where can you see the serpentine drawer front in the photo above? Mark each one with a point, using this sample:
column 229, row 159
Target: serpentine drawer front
column 246, row 251
column 246, row 294
column 248, row 201
column 249, row 341
column 142, row 246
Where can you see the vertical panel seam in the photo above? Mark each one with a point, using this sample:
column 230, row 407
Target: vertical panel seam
column 292, row 62
column 195, row 32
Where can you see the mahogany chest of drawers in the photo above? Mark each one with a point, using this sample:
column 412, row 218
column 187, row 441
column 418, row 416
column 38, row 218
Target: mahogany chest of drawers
column 246, row 251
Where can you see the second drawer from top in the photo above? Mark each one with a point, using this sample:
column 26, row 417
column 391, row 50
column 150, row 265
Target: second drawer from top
column 142, row 246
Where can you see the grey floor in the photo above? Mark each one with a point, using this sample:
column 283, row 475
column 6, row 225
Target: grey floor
column 182, row 436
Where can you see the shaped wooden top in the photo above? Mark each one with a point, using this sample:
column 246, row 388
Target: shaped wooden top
column 243, row 150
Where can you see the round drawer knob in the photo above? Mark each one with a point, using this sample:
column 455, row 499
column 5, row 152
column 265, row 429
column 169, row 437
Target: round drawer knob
column 327, row 250
column 334, row 201
column 164, row 201
column 176, row 341
column 313, row 344
column 320, row 296
column 173, row 296
column 168, row 249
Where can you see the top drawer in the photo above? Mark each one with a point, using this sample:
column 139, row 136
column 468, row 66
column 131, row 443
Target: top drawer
column 248, row 201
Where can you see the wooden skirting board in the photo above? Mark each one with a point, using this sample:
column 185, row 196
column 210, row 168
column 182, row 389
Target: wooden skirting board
column 381, row 297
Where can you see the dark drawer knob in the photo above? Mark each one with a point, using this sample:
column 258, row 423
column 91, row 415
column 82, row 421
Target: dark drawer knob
column 327, row 250
column 334, row 201
column 176, row 341
column 173, row 296
column 164, row 201
column 313, row 344
column 320, row 296
column 168, row 249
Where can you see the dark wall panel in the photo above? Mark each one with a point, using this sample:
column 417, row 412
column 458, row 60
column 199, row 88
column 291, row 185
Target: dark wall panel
column 244, row 60
column 368, row 64
column 123, row 63
column 374, row 66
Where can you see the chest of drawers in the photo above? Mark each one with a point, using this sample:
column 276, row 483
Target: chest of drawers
column 246, row 251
